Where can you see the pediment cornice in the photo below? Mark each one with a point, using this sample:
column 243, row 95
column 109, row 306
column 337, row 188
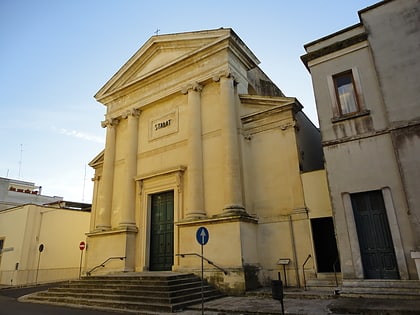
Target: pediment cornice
column 191, row 56
column 97, row 160
column 269, row 106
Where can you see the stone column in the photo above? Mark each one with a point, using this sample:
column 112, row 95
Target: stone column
column 103, row 220
column 195, row 198
column 231, row 166
column 127, row 218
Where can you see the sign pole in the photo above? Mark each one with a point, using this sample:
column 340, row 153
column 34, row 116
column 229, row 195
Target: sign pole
column 40, row 249
column 202, row 236
column 82, row 246
column 80, row 266
column 37, row 268
column 202, row 280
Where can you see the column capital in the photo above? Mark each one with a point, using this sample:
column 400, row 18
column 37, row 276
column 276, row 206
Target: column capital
column 192, row 87
column 111, row 122
column 95, row 178
column 131, row 112
column 227, row 73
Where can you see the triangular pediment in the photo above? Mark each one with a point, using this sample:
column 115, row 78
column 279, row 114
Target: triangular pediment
column 163, row 51
column 97, row 160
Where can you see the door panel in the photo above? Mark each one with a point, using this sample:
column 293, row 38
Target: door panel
column 162, row 228
column 376, row 246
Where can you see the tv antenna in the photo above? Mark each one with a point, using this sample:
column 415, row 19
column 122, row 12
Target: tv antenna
column 20, row 160
column 84, row 185
column 157, row 31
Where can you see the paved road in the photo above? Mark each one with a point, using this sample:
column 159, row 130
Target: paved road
column 228, row 305
column 10, row 306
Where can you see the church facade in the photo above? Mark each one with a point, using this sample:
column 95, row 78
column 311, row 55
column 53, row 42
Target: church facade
column 198, row 136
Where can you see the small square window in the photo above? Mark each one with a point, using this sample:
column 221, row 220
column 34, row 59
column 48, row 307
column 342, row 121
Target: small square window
column 346, row 93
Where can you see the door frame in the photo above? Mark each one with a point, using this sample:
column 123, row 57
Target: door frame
column 315, row 238
column 148, row 185
column 393, row 226
column 375, row 240
column 151, row 230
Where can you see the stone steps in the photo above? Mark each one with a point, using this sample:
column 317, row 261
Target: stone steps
column 146, row 293
column 135, row 296
column 396, row 289
column 329, row 287
column 124, row 291
column 368, row 288
column 374, row 289
column 130, row 286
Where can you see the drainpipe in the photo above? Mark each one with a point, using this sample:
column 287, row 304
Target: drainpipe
column 292, row 237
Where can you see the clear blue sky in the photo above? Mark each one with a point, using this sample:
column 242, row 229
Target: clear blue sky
column 56, row 54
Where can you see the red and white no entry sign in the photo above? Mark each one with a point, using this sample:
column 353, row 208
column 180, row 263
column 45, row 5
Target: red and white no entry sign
column 82, row 245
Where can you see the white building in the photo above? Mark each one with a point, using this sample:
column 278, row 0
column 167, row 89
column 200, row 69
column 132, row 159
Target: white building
column 365, row 80
column 17, row 192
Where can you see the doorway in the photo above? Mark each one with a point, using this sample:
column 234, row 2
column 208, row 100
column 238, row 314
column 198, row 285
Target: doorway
column 162, row 231
column 325, row 245
column 375, row 240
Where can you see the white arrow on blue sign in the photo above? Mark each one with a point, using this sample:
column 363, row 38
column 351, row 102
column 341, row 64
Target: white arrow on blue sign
column 202, row 235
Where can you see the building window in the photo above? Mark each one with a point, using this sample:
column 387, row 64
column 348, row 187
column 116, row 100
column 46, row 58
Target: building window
column 346, row 93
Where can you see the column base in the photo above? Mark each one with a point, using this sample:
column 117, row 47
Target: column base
column 196, row 215
column 102, row 228
column 234, row 209
column 128, row 226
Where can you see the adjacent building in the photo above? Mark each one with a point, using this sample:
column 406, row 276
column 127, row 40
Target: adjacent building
column 365, row 80
column 30, row 221
column 198, row 136
column 15, row 192
column 41, row 243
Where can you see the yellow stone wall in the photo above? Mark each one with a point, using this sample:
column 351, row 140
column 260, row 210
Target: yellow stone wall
column 163, row 88
column 26, row 227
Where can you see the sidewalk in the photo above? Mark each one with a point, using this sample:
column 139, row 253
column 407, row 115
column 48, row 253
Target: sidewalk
column 299, row 302
column 259, row 305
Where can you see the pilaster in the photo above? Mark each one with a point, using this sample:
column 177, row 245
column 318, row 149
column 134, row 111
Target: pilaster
column 232, row 163
column 195, row 198
column 103, row 214
column 127, row 216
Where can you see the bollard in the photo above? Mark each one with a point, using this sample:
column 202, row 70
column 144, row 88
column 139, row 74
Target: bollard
column 277, row 292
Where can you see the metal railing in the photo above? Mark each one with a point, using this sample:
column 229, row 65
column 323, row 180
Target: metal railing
column 303, row 270
column 103, row 264
column 335, row 271
column 204, row 258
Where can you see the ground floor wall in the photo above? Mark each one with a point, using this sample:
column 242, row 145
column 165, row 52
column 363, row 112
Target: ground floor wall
column 37, row 276
column 42, row 244
column 367, row 181
column 248, row 250
column 242, row 253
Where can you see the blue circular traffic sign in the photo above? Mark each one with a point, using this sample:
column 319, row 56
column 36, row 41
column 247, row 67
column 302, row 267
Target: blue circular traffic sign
column 202, row 235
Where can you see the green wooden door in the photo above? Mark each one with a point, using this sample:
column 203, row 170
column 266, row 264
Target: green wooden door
column 375, row 240
column 162, row 232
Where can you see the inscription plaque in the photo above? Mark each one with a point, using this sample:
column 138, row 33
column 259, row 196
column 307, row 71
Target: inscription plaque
column 164, row 125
